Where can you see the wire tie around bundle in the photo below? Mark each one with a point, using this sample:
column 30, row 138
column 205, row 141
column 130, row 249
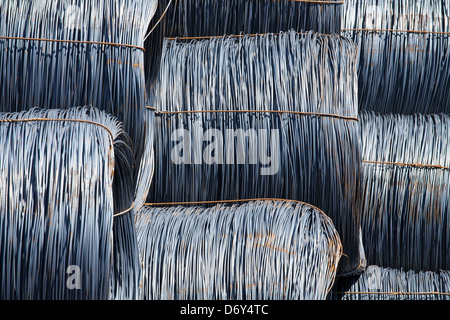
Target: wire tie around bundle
column 318, row 1
column 74, row 41
column 259, row 111
column 159, row 20
column 237, row 36
column 232, row 36
column 395, row 293
column 400, row 164
column 393, row 30
column 123, row 212
column 59, row 120
column 233, row 201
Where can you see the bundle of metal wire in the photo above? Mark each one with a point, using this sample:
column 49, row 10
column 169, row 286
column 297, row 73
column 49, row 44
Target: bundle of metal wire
column 404, row 58
column 126, row 278
column 256, row 250
column 406, row 174
column 58, row 200
column 68, row 53
column 263, row 116
column 147, row 166
column 200, row 18
column 391, row 284
column 290, row 71
column 127, row 265
column 419, row 15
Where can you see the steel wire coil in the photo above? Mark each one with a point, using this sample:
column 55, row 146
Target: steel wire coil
column 405, row 187
column 61, row 174
column 208, row 87
column 404, row 54
column 391, row 284
column 258, row 250
column 193, row 18
column 69, row 53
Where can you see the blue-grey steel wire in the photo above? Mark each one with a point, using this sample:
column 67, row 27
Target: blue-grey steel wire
column 61, row 75
column 147, row 166
column 419, row 15
column 58, row 200
column 192, row 18
column 405, row 212
column 76, row 69
column 127, row 276
column 378, row 283
column 399, row 71
column 258, row 250
column 319, row 157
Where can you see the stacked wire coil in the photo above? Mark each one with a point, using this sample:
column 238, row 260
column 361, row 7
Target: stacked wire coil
column 58, row 201
column 403, row 54
column 392, row 284
column 265, row 116
column 263, row 250
column 405, row 190
column 205, row 18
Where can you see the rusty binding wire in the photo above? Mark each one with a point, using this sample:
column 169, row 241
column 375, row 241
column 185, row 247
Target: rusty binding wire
column 256, row 250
